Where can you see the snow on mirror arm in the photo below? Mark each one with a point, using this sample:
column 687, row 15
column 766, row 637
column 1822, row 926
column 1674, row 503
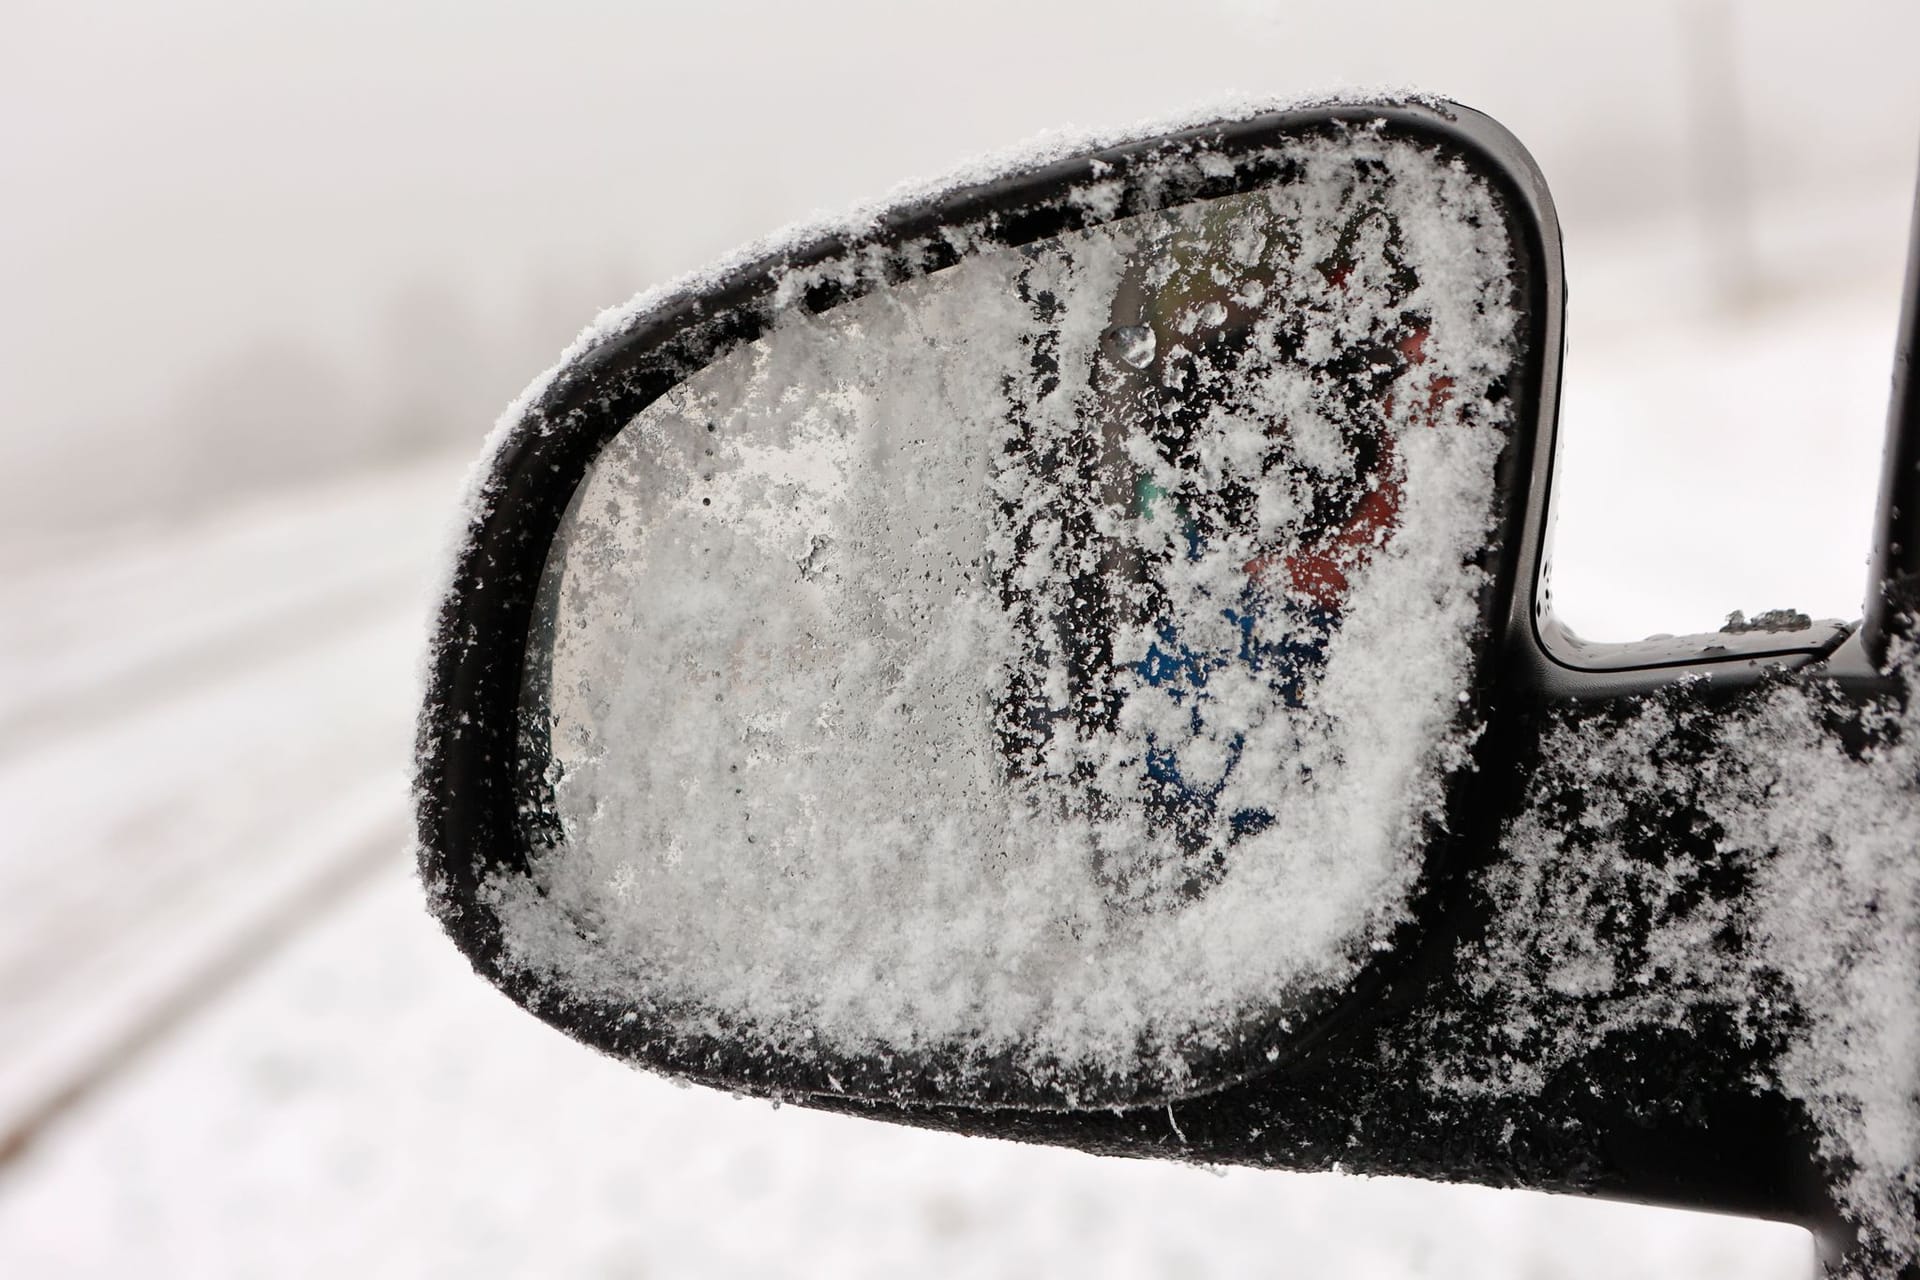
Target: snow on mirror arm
column 1034, row 681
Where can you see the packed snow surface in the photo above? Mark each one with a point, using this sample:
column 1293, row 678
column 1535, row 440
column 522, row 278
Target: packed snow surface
column 1057, row 657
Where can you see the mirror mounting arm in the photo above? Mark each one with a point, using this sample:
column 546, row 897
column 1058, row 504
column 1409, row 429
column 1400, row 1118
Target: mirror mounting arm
column 1893, row 581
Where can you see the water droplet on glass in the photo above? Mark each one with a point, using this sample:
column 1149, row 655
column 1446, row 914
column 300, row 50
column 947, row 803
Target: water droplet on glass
column 1131, row 344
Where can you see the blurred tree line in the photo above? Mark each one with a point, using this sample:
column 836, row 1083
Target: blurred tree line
column 438, row 365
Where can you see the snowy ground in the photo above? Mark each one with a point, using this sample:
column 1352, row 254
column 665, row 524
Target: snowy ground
column 236, row 1045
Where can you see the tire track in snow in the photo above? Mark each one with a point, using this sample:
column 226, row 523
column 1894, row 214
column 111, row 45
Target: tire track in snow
column 116, row 1039
column 204, row 737
column 169, row 675
column 149, row 851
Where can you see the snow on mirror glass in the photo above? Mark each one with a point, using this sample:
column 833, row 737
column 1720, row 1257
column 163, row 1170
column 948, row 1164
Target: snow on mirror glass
column 1051, row 662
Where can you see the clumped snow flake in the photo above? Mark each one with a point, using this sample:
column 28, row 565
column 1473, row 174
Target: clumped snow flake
column 1055, row 659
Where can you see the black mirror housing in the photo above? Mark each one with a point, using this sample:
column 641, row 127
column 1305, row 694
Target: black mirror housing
column 1594, row 986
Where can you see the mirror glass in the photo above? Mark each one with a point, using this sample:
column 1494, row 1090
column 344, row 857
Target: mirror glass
column 1045, row 669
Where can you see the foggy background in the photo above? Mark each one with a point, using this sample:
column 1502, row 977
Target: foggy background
column 248, row 246
column 269, row 272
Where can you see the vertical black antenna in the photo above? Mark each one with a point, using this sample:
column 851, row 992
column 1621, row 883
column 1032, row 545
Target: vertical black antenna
column 1893, row 581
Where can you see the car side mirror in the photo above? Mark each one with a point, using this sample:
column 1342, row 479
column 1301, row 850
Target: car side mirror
column 1068, row 657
